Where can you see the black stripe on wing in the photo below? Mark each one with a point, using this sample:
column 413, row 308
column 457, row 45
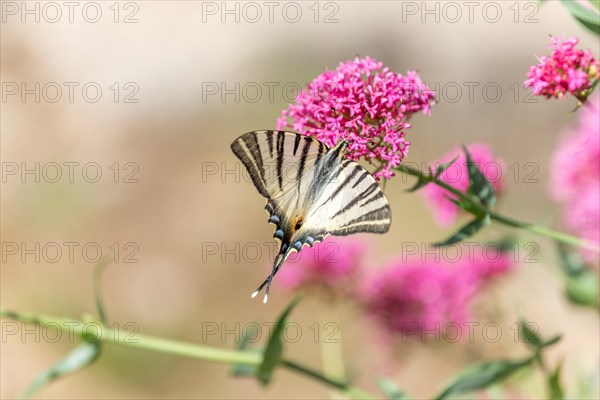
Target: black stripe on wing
column 365, row 207
column 280, row 146
column 357, row 199
column 305, row 148
column 375, row 221
column 356, row 170
column 265, row 153
column 246, row 148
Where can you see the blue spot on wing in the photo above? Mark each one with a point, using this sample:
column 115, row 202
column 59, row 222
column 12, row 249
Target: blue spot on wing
column 309, row 239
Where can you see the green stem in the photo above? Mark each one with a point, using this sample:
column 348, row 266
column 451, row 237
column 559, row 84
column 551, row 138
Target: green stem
column 332, row 354
column 167, row 346
column 314, row 374
column 135, row 340
column 350, row 391
column 540, row 361
column 477, row 207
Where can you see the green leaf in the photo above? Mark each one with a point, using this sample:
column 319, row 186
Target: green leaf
column 479, row 186
column 418, row 185
column 445, row 166
column 508, row 243
column 588, row 17
column 466, row 231
column 468, row 206
column 554, row 387
column 274, row 349
column 463, row 205
column 581, row 284
column 571, row 263
column 80, row 357
column 592, row 27
column 583, row 289
column 530, row 337
column 552, row 341
column 579, row 11
column 533, row 339
column 391, row 390
column 483, row 375
column 98, row 270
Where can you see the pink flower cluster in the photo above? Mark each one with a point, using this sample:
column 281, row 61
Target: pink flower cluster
column 457, row 175
column 418, row 295
column 411, row 294
column 566, row 70
column 576, row 176
column 415, row 296
column 365, row 104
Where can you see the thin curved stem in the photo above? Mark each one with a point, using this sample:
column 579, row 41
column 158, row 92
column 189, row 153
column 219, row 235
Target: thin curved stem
column 350, row 391
column 314, row 374
column 78, row 328
column 478, row 207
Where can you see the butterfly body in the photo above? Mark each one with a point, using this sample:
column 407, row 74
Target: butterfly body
column 312, row 190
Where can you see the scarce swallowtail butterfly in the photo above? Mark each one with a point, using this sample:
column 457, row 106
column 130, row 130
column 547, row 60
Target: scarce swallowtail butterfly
column 312, row 191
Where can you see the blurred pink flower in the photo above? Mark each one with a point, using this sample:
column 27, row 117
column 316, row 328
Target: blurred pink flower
column 582, row 217
column 576, row 176
column 487, row 262
column 457, row 175
column 567, row 70
column 332, row 265
column 417, row 295
column 364, row 103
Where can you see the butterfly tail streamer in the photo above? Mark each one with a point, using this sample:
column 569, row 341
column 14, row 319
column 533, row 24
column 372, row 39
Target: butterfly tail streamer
column 277, row 263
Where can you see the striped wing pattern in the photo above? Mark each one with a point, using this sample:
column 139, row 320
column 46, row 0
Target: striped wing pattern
column 312, row 191
column 283, row 167
column 353, row 203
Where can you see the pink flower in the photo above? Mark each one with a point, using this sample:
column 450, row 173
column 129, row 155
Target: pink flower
column 457, row 175
column 417, row 295
column 576, row 176
column 567, row 70
column 405, row 298
column 332, row 265
column 365, row 104
column 487, row 262
column 582, row 217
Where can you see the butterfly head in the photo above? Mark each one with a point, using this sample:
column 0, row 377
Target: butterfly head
column 340, row 147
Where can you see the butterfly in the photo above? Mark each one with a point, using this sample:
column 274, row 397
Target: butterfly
column 312, row 191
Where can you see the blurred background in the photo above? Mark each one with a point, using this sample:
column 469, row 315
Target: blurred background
column 135, row 105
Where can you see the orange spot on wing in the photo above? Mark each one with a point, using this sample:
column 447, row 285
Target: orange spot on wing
column 297, row 223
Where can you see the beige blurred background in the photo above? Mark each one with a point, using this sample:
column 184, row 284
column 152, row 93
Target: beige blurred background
column 177, row 134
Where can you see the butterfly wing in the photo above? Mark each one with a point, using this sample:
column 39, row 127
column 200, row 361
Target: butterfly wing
column 311, row 190
column 351, row 202
column 283, row 167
